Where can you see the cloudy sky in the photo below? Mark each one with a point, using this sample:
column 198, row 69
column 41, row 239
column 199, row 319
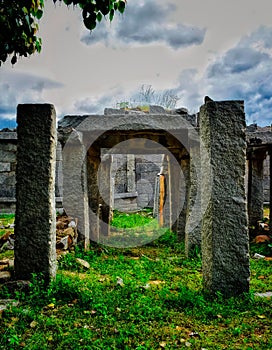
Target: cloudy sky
column 193, row 48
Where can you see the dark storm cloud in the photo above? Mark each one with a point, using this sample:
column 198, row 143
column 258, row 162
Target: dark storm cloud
column 243, row 72
column 238, row 60
column 147, row 22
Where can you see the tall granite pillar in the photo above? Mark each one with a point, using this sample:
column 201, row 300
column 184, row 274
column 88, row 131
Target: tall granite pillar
column 255, row 186
column 59, row 176
column 131, row 178
column 183, row 198
column 194, row 217
column 75, row 192
column 94, row 161
column 35, row 219
column 167, row 201
column 104, row 185
column 225, row 241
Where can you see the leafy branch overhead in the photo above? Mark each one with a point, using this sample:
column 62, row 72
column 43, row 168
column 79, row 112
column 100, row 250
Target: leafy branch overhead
column 19, row 23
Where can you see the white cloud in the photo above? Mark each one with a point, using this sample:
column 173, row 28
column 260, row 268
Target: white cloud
column 146, row 22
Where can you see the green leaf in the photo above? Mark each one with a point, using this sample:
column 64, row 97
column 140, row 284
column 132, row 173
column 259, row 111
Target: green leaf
column 68, row 2
column 90, row 22
column 111, row 14
column 39, row 14
column 38, row 45
column 104, row 8
column 25, row 10
column 14, row 59
column 121, row 6
column 99, row 16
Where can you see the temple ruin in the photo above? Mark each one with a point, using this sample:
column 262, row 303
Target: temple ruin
column 193, row 174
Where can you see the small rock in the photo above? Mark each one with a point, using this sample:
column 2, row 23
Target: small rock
column 60, row 225
column 264, row 295
column 63, row 243
column 181, row 110
column 4, row 303
column 69, row 232
column 261, row 239
column 4, row 262
column 153, row 109
column 72, row 224
column 83, row 263
column 5, row 276
column 11, row 263
column 33, row 324
column 194, row 334
column 120, row 282
column 60, row 211
column 258, row 256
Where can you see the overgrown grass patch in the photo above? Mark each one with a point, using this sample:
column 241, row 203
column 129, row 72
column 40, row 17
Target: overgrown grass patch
column 131, row 220
column 146, row 297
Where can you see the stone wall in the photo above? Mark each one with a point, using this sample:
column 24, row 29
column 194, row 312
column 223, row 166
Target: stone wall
column 8, row 150
column 145, row 173
column 8, row 147
column 134, row 180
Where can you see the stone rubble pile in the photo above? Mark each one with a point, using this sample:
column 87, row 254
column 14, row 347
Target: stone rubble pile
column 66, row 239
column 66, row 232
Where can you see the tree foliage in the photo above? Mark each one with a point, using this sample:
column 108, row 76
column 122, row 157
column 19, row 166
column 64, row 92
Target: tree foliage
column 19, row 23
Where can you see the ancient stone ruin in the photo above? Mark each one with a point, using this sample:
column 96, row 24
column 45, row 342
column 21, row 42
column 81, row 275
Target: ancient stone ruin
column 194, row 165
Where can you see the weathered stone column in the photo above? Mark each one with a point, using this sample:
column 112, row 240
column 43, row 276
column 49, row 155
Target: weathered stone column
column 59, row 176
column 167, row 208
column 183, row 198
column 255, row 186
column 104, row 185
column 193, row 220
column 94, row 161
column 131, row 184
column 225, row 242
column 35, row 219
column 75, row 192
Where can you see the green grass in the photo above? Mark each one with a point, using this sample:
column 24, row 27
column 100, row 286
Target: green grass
column 6, row 219
column 131, row 220
column 160, row 305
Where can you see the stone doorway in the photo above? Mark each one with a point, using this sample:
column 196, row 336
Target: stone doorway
column 91, row 150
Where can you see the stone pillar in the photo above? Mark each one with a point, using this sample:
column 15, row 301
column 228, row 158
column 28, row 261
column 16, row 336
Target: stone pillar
column 167, row 208
column 94, row 161
column 75, row 192
column 225, row 241
column 59, row 176
column 104, row 185
column 194, row 217
column 255, row 186
column 131, row 184
column 183, row 189
column 35, row 219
